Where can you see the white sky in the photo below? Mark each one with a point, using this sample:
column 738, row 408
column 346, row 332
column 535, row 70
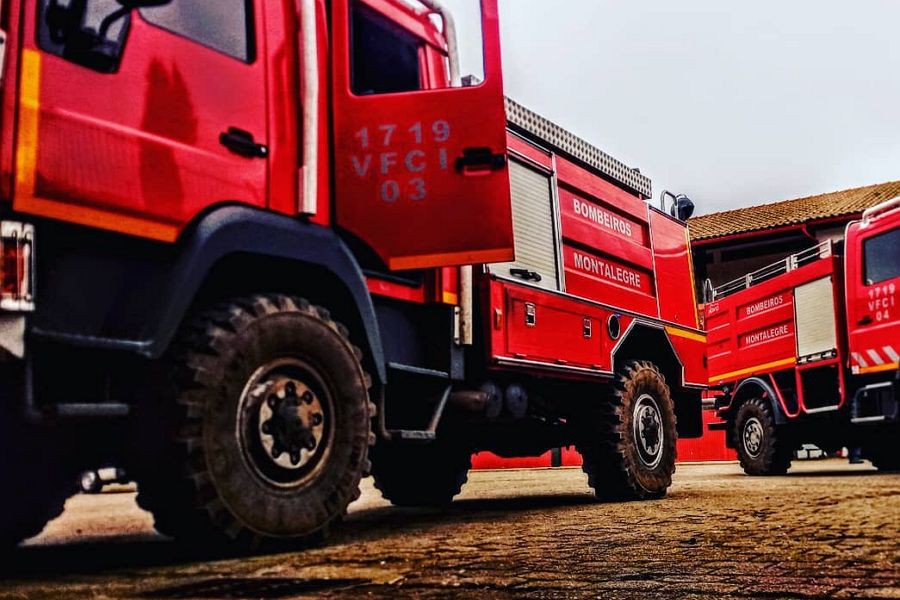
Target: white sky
column 732, row 103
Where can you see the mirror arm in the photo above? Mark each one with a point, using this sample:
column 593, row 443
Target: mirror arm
column 110, row 19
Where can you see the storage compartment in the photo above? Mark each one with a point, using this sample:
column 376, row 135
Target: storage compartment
column 534, row 228
column 816, row 327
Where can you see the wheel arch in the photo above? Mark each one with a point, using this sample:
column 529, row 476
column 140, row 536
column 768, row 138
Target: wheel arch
column 756, row 387
column 649, row 341
column 238, row 250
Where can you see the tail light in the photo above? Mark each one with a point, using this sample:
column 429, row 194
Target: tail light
column 16, row 266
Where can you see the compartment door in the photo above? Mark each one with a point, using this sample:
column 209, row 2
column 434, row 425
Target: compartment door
column 421, row 175
column 815, row 318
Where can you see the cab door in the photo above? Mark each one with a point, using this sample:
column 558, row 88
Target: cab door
column 421, row 173
column 873, row 294
column 135, row 120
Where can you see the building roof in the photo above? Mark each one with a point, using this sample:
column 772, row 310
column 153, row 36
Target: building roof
column 790, row 212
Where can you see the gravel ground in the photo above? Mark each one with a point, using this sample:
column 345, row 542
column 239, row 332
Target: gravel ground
column 827, row 530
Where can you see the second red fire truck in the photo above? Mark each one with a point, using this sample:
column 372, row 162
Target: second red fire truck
column 807, row 350
column 255, row 250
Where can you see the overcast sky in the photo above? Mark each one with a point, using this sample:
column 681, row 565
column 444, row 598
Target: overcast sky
column 732, row 103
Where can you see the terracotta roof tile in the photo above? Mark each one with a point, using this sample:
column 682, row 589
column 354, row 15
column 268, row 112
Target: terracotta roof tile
column 789, row 212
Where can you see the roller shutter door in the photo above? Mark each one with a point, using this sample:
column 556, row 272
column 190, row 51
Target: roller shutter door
column 533, row 223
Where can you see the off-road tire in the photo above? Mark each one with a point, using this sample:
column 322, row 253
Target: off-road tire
column 196, row 478
column 773, row 452
column 420, row 475
column 607, row 439
column 36, row 483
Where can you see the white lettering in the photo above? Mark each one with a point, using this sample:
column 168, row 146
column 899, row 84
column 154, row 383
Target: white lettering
column 766, row 334
column 599, row 267
column 601, row 217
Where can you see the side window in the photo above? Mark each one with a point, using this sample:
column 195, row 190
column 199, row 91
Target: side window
column 223, row 25
column 91, row 33
column 882, row 257
column 385, row 58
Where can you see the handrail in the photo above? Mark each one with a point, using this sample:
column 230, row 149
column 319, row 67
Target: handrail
column 785, row 265
column 880, row 208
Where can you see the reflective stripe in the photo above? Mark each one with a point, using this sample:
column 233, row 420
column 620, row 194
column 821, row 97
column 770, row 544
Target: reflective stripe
column 892, row 354
column 859, row 360
column 876, row 358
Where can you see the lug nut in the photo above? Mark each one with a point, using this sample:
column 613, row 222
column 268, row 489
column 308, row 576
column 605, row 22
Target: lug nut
column 310, row 443
column 267, row 427
column 307, row 396
column 295, row 457
column 290, row 388
column 271, row 400
column 316, row 419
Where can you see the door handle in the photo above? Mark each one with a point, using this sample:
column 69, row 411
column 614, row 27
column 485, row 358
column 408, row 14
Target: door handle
column 242, row 143
column 866, row 320
column 479, row 161
column 526, row 274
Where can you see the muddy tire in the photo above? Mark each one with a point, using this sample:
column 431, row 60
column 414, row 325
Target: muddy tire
column 628, row 443
column 35, row 482
column 428, row 475
column 263, row 428
column 762, row 447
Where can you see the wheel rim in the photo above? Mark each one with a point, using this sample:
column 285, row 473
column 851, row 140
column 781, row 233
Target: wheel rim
column 648, row 430
column 88, row 480
column 285, row 423
column 753, row 437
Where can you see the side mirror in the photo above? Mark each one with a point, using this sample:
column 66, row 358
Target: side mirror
column 90, row 33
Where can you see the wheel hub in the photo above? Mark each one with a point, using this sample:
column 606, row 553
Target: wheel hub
column 648, row 430
column 284, row 422
column 753, row 436
column 291, row 423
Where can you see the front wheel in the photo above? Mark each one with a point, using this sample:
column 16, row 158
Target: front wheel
column 265, row 425
column 628, row 443
column 763, row 448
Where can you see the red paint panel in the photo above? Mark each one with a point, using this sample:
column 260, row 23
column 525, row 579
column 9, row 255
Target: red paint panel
column 489, row 460
column 753, row 331
column 609, row 281
column 557, row 336
column 593, row 224
column 158, row 154
column 587, row 183
column 691, row 351
column 531, row 152
column 672, row 253
column 873, row 309
column 398, row 185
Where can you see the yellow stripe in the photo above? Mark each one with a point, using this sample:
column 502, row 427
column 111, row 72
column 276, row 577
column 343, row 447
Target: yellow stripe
column 26, row 169
column 771, row 365
column 697, row 337
column 878, row 368
column 29, row 110
column 450, row 298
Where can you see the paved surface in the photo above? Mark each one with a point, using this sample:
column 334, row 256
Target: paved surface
column 827, row 530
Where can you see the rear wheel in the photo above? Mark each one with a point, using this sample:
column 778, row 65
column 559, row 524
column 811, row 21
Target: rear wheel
column 628, row 443
column 264, row 425
column 762, row 447
column 428, row 475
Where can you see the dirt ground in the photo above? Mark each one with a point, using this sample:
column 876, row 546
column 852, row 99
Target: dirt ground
column 827, row 530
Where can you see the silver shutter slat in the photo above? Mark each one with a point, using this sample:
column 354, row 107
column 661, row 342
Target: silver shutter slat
column 532, row 208
column 816, row 327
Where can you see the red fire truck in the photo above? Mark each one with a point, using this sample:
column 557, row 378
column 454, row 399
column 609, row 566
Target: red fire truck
column 806, row 350
column 243, row 242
